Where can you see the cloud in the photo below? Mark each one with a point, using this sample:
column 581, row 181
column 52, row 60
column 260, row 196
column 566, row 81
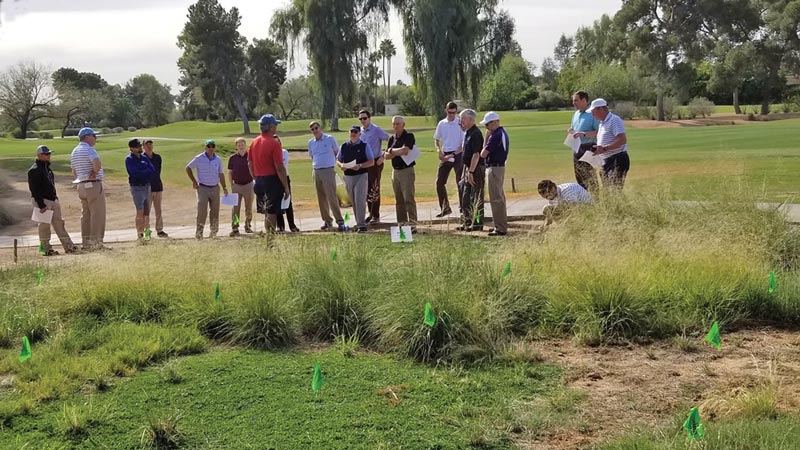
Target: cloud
column 13, row 9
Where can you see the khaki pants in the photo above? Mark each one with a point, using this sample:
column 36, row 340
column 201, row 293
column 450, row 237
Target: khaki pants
column 405, row 204
column 246, row 196
column 495, row 176
column 93, row 213
column 155, row 202
column 58, row 225
column 207, row 197
column 325, row 184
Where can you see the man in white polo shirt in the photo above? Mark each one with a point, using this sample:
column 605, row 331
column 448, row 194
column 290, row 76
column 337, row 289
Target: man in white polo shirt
column 449, row 139
column 88, row 172
column 209, row 176
column 612, row 144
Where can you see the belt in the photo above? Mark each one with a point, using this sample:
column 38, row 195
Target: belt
column 495, row 164
column 141, row 185
column 205, row 185
column 243, row 184
column 89, row 181
column 323, row 168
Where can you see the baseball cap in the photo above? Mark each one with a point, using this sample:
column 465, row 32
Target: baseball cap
column 597, row 103
column 86, row 131
column 134, row 143
column 356, row 128
column 268, row 119
column 43, row 150
column 491, row 116
column 211, row 142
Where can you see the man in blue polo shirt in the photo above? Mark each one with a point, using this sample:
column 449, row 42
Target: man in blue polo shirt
column 584, row 127
column 140, row 173
column 209, row 176
column 496, row 153
column 323, row 150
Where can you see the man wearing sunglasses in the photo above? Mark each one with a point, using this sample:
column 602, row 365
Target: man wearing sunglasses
column 323, row 150
column 449, row 138
column 373, row 135
column 209, row 176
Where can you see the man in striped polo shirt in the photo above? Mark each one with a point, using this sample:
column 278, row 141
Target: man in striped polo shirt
column 88, row 172
column 562, row 197
column 612, row 144
column 209, row 176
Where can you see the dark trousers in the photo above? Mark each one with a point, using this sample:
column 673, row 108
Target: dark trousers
column 442, row 176
column 473, row 198
column 374, row 190
column 289, row 213
column 615, row 169
column 584, row 172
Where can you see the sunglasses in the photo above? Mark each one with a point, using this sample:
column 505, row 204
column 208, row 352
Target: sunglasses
column 211, row 146
column 354, row 132
column 314, row 128
column 451, row 112
column 363, row 118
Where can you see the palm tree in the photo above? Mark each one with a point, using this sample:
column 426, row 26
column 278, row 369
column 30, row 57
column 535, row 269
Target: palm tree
column 387, row 50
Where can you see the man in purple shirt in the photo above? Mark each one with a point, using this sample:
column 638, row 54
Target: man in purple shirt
column 372, row 135
column 496, row 153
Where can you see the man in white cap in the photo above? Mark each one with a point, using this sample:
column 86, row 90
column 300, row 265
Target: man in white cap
column 42, row 185
column 88, row 172
column 495, row 151
column 612, row 145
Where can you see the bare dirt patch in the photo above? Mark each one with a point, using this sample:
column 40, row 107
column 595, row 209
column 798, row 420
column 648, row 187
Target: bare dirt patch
column 629, row 387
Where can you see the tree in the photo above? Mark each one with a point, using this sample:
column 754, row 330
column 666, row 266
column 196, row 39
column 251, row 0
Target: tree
column 332, row 33
column 122, row 112
column 214, row 56
column 26, row 94
column 265, row 61
column 152, row 101
column 78, row 80
column 509, row 87
column 81, row 97
column 388, row 50
column 296, row 99
column 564, row 50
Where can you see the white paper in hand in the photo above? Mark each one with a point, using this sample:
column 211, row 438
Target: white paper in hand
column 595, row 160
column 42, row 217
column 573, row 143
column 231, row 199
column 412, row 155
column 286, row 202
column 406, row 237
column 349, row 165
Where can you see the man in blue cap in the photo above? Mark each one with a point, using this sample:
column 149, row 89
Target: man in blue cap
column 140, row 173
column 265, row 160
column 42, row 184
column 88, row 172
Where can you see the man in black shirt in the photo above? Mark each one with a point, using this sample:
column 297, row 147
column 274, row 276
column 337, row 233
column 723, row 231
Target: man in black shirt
column 355, row 157
column 156, row 188
column 403, row 177
column 472, row 182
column 42, row 185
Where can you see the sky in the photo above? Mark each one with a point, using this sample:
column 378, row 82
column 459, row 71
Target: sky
column 121, row 39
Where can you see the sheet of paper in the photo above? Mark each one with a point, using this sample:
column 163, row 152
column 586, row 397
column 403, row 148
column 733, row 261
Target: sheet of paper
column 42, row 217
column 349, row 165
column 286, row 202
column 412, row 155
column 595, row 160
column 395, row 232
column 231, row 199
column 573, row 143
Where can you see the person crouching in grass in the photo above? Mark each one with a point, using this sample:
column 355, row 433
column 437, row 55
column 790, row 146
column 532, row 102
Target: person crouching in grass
column 561, row 197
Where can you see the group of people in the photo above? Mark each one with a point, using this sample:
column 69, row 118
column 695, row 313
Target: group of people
column 259, row 174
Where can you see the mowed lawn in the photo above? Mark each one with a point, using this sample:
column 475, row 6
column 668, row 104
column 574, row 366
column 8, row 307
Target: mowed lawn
column 687, row 162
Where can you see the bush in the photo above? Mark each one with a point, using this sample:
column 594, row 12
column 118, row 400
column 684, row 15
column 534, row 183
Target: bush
column 71, row 132
column 701, row 106
column 625, row 110
column 645, row 112
column 45, row 135
column 671, row 106
column 411, row 103
column 549, row 101
column 131, row 129
column 117, row 130
column 106, row 131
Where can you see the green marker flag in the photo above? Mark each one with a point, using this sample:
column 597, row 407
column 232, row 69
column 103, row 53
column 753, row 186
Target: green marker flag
column 236, row 219
column 507, row 270
column 334, row 254
column 317, row 381
column 402, row 235
column 713, row 336
column 216, row 292
column 347, row 217
column 478, row 220
column 39, row 277
column 41, row 248
column 25, row 354
column 147, row 233
column 772, row 282
column 693, row 425
column 430, row 318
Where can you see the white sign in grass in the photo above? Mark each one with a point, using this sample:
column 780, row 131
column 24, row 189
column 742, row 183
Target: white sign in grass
column 401, row 234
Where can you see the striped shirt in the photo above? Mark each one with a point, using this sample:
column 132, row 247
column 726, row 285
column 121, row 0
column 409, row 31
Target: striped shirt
column 609, row 129
column 208, row 170
column 81, row 161
column 571, row 193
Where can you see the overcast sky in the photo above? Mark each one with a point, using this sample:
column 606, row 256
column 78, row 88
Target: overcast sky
column 118, row 41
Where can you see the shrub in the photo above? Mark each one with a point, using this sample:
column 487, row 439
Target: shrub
column 701, row 106
column 671, row 106
column 131, row 129
column 45, row 135
column 645, row 112
column 117, row 130
column 549, row 101
column 625, row 110
column 106, row 131
column 71, row 132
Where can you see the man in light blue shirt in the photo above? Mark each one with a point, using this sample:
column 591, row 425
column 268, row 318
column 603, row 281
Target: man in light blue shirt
column 323, row 150
column 372, row 135
column 85, row 164
column 584, row 127
column 209, row 176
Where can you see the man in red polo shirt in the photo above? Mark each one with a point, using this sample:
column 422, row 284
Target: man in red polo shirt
column 265, row 160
